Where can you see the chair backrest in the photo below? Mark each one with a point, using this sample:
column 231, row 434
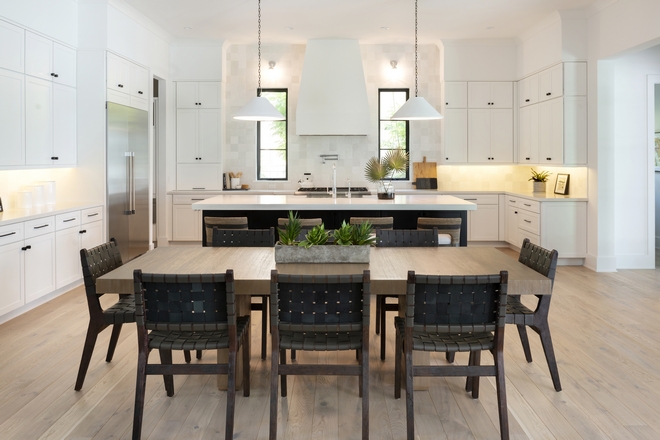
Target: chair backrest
column 98, row 261
column 456, row 304
column 406, row 238
column 376, row 222
column 538, row 258
column 320, row 302
column 243, row 238
column 199, row 302
column 306, row 223
column 223, row 223
column 449, row 226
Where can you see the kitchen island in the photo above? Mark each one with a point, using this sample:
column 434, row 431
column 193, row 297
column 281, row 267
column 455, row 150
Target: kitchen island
column 263, row 211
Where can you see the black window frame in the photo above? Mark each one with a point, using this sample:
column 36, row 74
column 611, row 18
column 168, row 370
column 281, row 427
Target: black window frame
column 407, row 149
column 286, row 140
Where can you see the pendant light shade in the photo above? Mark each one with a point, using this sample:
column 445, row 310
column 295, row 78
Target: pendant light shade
column 417, row 108
column 259, row 108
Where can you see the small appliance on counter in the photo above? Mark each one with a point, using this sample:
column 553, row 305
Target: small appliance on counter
column 307, row 181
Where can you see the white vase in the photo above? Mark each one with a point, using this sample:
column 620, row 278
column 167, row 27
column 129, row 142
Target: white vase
column 539, row 187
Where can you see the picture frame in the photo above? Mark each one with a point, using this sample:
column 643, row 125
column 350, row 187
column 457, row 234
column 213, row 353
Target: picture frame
column 0, row 204
column 561, row 184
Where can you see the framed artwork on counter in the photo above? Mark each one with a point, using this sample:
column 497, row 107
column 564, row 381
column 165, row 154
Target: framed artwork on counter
column 0, row 204
column 561, row 185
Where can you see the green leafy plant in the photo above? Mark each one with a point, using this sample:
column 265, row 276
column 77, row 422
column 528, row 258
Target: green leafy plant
column 396, row 161
column 362, row 234
column 292, row 228
column 344, row 234
column 540, row 177
column 315, row 237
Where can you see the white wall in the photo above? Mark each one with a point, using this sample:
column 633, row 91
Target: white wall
column 540, row 46
column 195, row 60
column 480, row 60
column 57, row 19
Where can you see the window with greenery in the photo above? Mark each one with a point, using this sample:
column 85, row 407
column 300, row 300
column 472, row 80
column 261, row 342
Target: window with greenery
column 392, row 135
column 272, row 161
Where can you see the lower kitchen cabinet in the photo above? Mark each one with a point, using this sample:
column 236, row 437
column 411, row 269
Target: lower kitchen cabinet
column 483, row 224
column 39, row 255
column 12, row 266
column 76, row 230
column 186, row 223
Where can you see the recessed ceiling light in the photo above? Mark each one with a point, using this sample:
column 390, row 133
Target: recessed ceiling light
column 188, row 28
column 288, row 28
column 490, row 27
column 384, row 28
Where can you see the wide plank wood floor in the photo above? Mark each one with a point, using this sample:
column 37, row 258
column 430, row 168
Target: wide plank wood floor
column 605, row 329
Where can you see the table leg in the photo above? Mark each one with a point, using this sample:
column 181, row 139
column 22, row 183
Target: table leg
column 242, row 308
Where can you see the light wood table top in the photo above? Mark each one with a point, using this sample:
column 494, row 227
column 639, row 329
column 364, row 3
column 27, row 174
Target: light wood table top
column 389, row 267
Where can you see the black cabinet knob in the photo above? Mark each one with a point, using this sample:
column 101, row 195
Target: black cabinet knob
column 52, row 74
column 548, row 94
column 446, row 158
column 515, row 212
column 140, row 92
column 54, row 158
column 446, row 103
column 56, row 75
column 526, row 100
column 25, row 248
column 121, row 86
column 84, row 231
column 527, row 158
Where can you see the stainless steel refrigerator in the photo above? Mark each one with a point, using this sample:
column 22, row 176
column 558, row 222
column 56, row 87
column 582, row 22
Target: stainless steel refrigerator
column 128, row 179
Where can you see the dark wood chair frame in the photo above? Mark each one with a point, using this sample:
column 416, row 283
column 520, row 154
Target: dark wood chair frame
column 398, row 238
column 165, row 322
column 249, row 238
column 299, row 321
column 446, row 319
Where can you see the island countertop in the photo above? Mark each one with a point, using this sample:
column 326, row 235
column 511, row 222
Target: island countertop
column 249, row 202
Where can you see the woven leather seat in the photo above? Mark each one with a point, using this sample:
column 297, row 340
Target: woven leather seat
column 222, row 223
column 449, row 229
column 195, row 340
column 120, row 312
column 447, row 342
column 320, row 341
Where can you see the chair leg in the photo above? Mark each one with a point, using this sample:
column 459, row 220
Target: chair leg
column 264, row 325
column 450, row 356
column 383, row 337
column 546, row 342
column 501, row 395
column 88, row 350
column 468, row 380
column 378, row 307
column 283, row 376
column 274, row 364
column 116, row 329
column 140, row 388
column 360, row 357
column 168, row 379
column 199, row 354
column 364, row 355
column 522, row 331
column 231, row 395
column 293, row 355
column 397, row 366
column 476, row 361
column 246, row 362
column 186, row 356
column 410, row 401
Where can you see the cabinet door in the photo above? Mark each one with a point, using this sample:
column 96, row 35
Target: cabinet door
column 67, row 253
column 575, row 130
column 456, row 135
column 484, row 223
column 479, row 95
column 64, row 125
column 91, row 235
column 187, row 128
column 139, row 81
column 512, row 225
column 209, row 94
column 479, row 136
column 455, row 94
column 12, row 122
column 208, row 139
column 528, row 91
column 529, row 135
column 186, row 95
column 198, row 176
column 39, row 266
column 186, row 223
column 38, row 56
column 12, row 295
column 38, row 121
column 501, row 136
column 119, row 71
column 64, row 65
column 12, row 49
column 501, row 94
column 551, row 131
column 551, row 84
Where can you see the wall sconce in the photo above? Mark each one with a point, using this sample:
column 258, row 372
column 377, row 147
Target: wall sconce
column 271, row 65
column 393, row 64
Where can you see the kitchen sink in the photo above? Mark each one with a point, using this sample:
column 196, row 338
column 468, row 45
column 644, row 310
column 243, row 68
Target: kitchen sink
column 327, row 196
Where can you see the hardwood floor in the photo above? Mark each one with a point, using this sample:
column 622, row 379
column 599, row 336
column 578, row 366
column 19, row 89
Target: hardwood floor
column 605, row 329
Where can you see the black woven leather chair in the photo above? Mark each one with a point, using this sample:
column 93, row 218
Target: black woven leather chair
column 222, row 223
column 97, row 262
column 398, row 238
column 544, row 262
column 188, row 312
column 449, row 229
column 319, row 313
column 450, row 314
column 249, row 238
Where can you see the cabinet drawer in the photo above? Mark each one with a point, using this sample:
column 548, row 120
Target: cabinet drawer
column 39, row 226
column 529, row 221
column 68, row 220
column 481, row 199
column 92, row 215
column 11, row 233
column 189, row 200
column 528, row 205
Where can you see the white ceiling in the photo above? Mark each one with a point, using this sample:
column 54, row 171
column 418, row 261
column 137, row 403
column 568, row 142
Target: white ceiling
column 236, row 20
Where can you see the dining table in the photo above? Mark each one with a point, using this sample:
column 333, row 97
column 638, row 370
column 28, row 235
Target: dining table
column 388, row 268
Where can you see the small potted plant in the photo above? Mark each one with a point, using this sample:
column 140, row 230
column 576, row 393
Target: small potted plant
column 539, row 179
column 377, row 171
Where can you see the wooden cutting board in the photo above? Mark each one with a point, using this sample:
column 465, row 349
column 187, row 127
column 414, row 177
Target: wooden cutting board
column 425, row 169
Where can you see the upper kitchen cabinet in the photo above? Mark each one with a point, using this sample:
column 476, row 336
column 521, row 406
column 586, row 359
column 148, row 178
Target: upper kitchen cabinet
column 455, row 94
column 12, row 122
column 198, row 136
column 49, row 60
column 198, row 94
column 490, row 94
column 456, row 135
column 528, row 91
column 490, row 136
column 127, row 82
column 551, row 83
column 12, row 49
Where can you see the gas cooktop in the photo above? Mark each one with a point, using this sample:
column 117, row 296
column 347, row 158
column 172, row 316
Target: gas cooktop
column 341, row 190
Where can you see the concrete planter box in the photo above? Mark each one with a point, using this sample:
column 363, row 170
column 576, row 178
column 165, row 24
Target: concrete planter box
column 322, row 254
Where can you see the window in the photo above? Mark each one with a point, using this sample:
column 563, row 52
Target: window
column 392, row 135
column 272, row 160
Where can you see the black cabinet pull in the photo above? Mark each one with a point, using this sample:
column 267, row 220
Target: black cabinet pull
column 56, row 75
column 548, row 94
column 7, row 235
column 527, row 204
column 526, row 100
column 120, row 86
column 68, row 220
column 40, row 227
column 528, row 221
column 527, row 158
column 199, row 188
column 515, row 212
column 25, row 248
column 446, row 103
column 446, row 158
column 92, row 215
column 84, row 231
column 140, row 92
column 54, row 158
column 52, row 74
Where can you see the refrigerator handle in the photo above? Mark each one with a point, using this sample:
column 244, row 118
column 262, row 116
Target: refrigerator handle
column 130, row 183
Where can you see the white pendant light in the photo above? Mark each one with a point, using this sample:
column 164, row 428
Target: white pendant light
column 259, row 108
column 417, row 108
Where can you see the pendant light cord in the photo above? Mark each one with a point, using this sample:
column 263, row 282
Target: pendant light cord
column 415, row 48
column 259, row 49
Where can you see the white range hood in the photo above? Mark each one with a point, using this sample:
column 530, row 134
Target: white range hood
column 333, row 93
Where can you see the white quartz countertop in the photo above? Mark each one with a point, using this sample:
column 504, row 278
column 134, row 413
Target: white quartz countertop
column 401, row 202
column 20, row 215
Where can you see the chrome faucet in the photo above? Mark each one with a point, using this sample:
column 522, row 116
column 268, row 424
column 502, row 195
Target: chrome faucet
column 334, row 181
column 348, row 193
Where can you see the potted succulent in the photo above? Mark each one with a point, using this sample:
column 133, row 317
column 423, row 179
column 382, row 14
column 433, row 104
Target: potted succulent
column 377, row 171
column 347, row 244
column 539, row 179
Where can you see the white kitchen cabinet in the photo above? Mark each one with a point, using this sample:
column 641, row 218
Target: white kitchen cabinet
column 528, row 91
column 67, row 239
column 39, row 257
column 205, row 94
column 64, row 125
column 12, row 49
column 455, row 94
column 456, row 135
column 198, row 176
column 528, row 140
column 490, row 94
column 139, row 81
column 12, row 122
column 186, row 222
column 551, row 132
column 490, row 136
column 49, row 60
column 483, row 223
column 127, row 83
column 118, row 73
column 198, row 136
column 551, row 82
column 12, row 294
column 91, row 233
